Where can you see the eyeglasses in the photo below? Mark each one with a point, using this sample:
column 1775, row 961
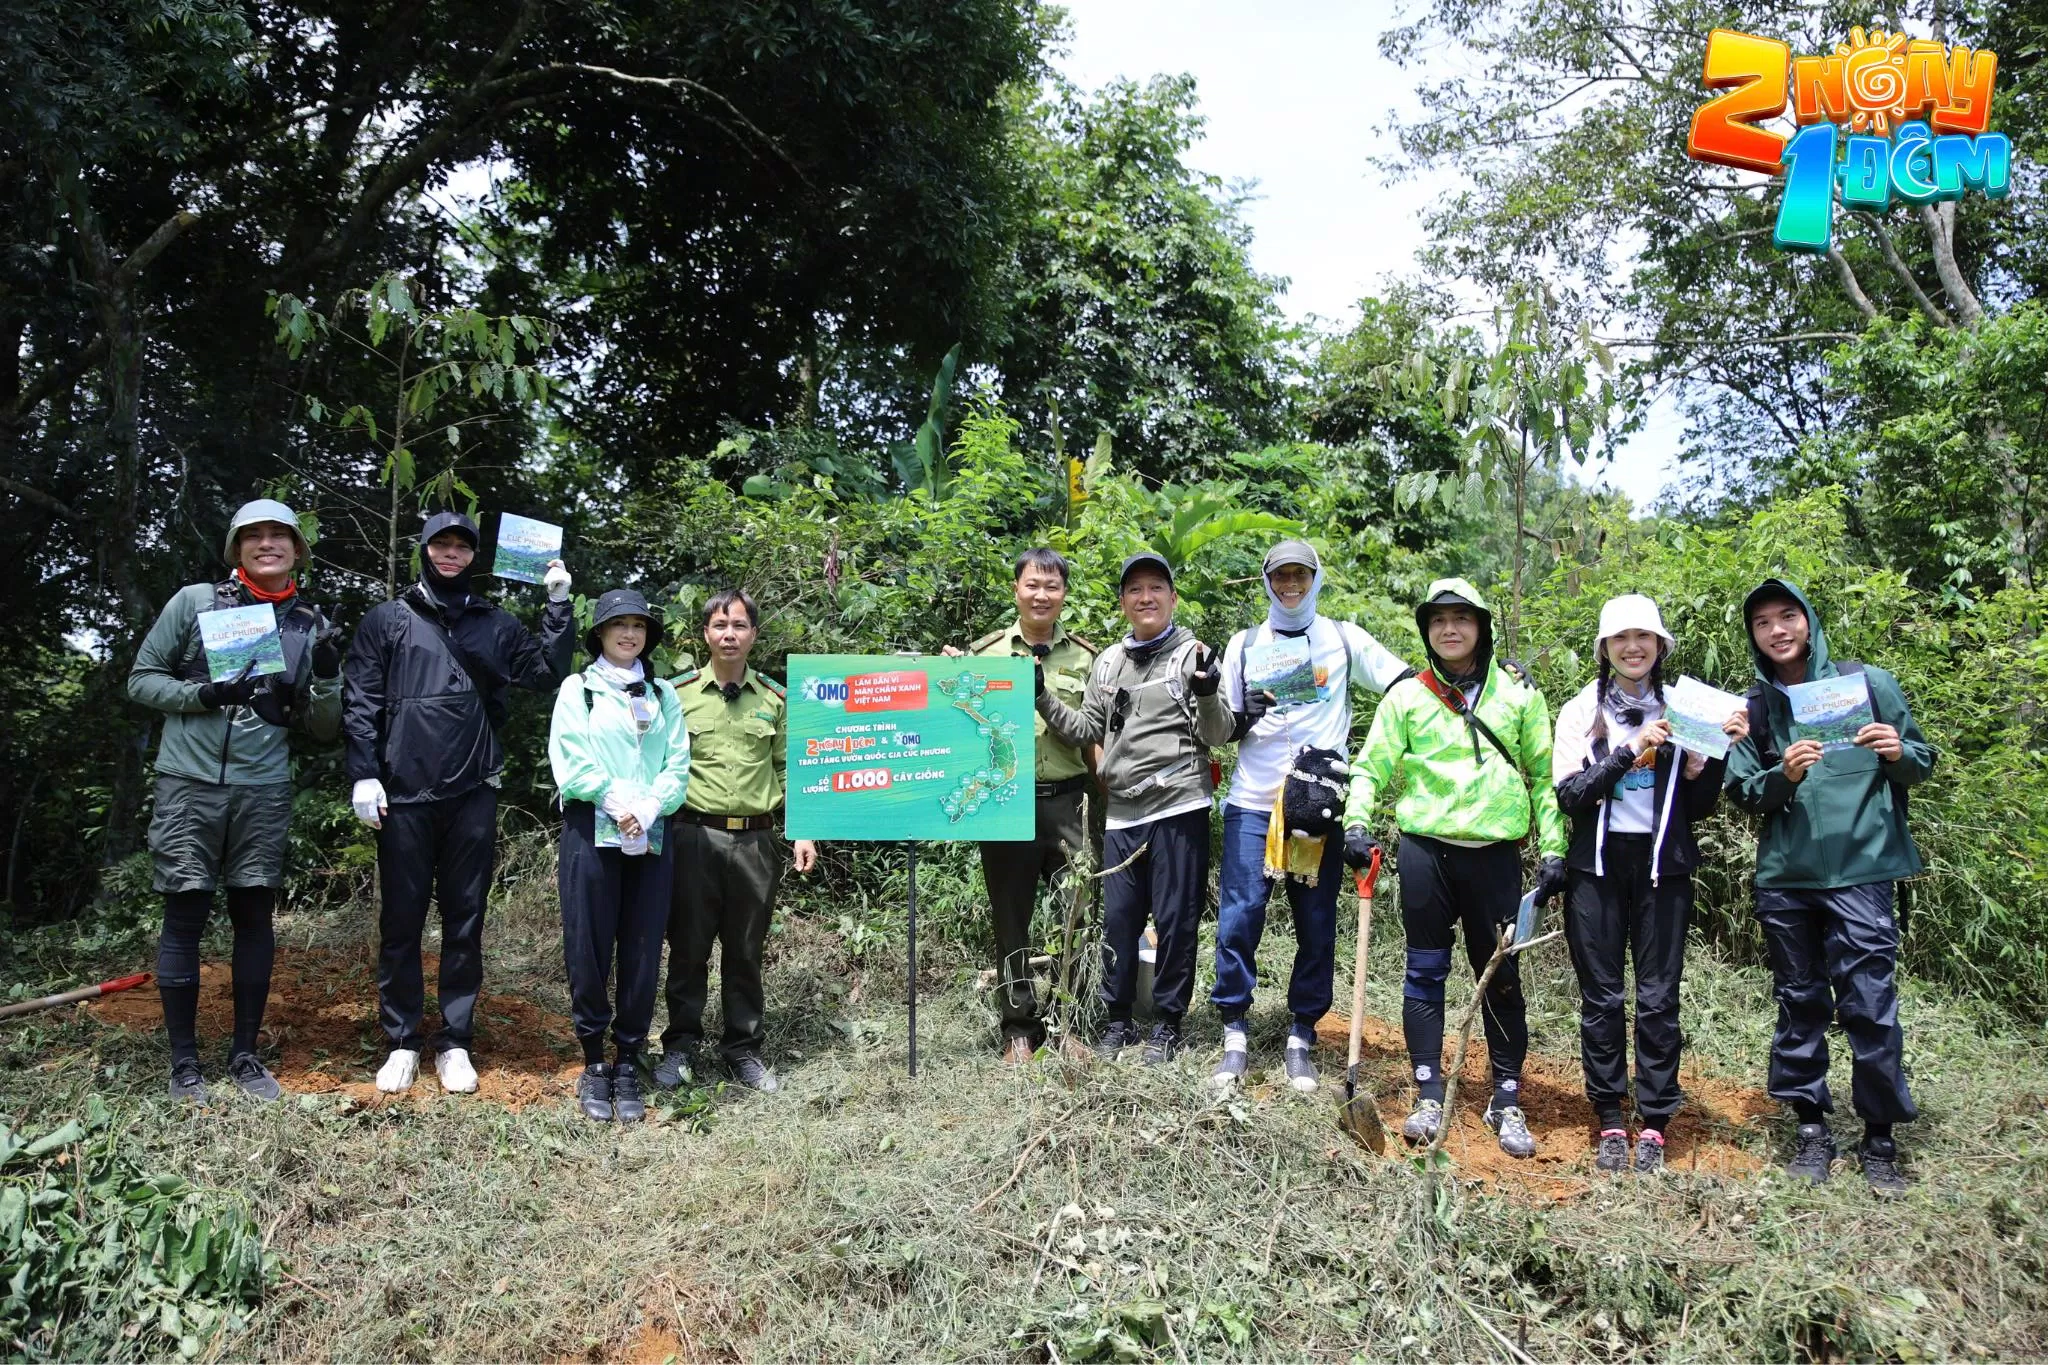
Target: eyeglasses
column 1119, row 706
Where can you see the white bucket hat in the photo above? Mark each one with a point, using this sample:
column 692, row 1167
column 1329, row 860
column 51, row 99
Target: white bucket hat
column 1631, row 611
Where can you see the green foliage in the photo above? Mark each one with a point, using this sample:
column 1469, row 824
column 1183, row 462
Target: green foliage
column 101, row 1259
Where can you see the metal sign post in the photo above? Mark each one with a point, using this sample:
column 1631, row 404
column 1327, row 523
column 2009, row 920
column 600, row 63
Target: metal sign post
column 910, row 871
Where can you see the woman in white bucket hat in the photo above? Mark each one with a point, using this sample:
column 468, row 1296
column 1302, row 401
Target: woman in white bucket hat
column 1632, row 797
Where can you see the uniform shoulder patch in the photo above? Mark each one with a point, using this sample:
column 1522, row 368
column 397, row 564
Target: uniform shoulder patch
column 773, row 686
column 1085, row 642
column 688, row 673
column 985, row 641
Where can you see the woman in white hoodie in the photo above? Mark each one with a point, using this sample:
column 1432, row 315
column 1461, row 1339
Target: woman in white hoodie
column 1632, row 796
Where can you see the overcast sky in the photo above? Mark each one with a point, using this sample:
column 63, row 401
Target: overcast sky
column 1298, row 100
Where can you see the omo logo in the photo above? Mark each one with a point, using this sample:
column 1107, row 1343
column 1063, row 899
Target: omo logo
column 825, row 691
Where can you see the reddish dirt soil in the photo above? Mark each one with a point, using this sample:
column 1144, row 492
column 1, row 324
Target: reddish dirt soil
column 1705, row 1138
column 321, row 1024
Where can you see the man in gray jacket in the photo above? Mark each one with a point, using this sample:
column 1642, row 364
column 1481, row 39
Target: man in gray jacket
column 223, row 778
column 1152, row 704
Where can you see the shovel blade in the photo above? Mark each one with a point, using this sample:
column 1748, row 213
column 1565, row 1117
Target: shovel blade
column 1360, row 1117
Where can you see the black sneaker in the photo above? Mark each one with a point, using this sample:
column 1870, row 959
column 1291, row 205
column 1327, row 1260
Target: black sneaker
column 186, row 1082
column 1814, row 1155
column 1880, row 1157
column 594, row 1092
column 1117, row 1035
column 678, row 1067
column 753, row 1073
column 1164, row 1044
column 627, row 1106
column 1613, row 1151
column 1649, row 1152
column 253, row 1078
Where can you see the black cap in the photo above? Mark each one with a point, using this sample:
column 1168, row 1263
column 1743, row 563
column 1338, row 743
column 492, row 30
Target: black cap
column 450, row 521
column 1142, row 559
column 622, row 602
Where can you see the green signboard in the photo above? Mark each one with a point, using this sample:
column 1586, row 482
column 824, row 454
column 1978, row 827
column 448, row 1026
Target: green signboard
column 887, row 748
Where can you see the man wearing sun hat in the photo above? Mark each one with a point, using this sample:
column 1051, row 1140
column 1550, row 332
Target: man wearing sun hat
column 223, row 787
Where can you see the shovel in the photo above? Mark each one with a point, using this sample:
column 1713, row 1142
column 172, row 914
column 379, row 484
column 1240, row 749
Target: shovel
column 1358, row 1115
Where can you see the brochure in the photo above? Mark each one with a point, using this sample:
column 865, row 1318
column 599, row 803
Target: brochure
column 1831, row 710
column 238, row 638
column 1283, row 667
column 1696, row 711
column 524, row 548
column 607, row 835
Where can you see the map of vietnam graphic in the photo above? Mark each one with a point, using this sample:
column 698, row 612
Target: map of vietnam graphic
column 998, row 780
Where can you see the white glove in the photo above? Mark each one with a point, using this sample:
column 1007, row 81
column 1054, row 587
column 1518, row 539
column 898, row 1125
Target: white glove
column 647, row 811
column 371, row 807
column 557, row 581
column 618, row 800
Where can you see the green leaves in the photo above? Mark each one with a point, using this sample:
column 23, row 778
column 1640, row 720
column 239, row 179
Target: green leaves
column 122, row 1262
column 1197, row 518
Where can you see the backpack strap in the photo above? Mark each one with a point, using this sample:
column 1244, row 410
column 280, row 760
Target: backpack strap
column 1453, row 698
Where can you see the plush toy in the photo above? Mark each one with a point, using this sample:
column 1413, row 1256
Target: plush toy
column 1312, row 801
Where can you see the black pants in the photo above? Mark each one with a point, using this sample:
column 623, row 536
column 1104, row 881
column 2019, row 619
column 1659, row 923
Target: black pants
column 724, row 894
column 177, row 964
column 1012, row 870
column 612, row 905
column 1618, row 916
column 444, row 851
column 1442, row 886
column 1836, row 952
column 1167, row 886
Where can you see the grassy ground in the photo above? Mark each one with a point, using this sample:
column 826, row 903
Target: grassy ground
column 1065, row 1211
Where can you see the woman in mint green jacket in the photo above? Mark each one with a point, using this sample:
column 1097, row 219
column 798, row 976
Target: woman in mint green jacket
column 621, row 757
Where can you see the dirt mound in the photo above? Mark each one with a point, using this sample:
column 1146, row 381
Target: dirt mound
column 1704, row 1139
column 321, row 1022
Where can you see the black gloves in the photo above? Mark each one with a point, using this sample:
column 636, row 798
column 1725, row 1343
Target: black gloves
column 1551, row 881
column 1208, row 674
column 239, row 690
column 327, row 651
column 1256, row 705
column 1359, row 847
column 1037, row 681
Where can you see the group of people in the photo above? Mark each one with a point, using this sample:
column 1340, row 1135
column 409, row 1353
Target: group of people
column 1607, row 796
column 654, row 773
column 670, row 787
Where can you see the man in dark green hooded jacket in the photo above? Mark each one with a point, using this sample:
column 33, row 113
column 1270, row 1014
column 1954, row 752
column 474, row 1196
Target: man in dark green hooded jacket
column 1834, row 841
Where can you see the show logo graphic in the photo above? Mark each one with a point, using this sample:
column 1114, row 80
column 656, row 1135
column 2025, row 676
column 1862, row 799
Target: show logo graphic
column 1886, row 117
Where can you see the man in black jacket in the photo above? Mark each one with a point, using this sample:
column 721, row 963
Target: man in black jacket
column 423, row 697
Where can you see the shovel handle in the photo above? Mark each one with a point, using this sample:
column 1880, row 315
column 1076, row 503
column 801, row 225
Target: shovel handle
column 1366, row 879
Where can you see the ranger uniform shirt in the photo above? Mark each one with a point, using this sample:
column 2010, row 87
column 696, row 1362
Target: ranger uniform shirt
column 737, row 748
column 1066, row 674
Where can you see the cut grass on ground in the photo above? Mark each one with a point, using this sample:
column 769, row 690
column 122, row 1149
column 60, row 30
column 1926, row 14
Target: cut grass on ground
column 1064, row 1211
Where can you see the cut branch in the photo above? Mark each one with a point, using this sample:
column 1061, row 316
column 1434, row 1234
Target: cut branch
column 55, row 379
column 36, row 497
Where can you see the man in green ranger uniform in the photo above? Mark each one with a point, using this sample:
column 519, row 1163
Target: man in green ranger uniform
column 223, row 786
column 1470, row 747
column 728, row 858
column 1013, row 869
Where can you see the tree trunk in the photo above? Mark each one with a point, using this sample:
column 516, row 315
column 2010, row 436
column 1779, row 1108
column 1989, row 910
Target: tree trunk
column 1521, row 524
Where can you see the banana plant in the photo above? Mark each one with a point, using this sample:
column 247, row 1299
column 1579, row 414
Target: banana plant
column 1191, row 519
column 922, row 464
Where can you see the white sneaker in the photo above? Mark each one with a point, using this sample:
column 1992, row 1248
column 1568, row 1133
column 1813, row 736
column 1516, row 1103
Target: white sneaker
column 458, row 1077
column 398, row 1071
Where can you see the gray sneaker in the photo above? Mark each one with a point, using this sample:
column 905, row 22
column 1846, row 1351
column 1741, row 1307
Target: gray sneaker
column 1423, row 1121
column 677, row 1068
column 753, row 1073
column 1649, row 1152
column 1613, row 1151
column 1301, row 1072
column 253, row 1078
column 187, row 1084
column 1230, row 1071
column 1513, row 1129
